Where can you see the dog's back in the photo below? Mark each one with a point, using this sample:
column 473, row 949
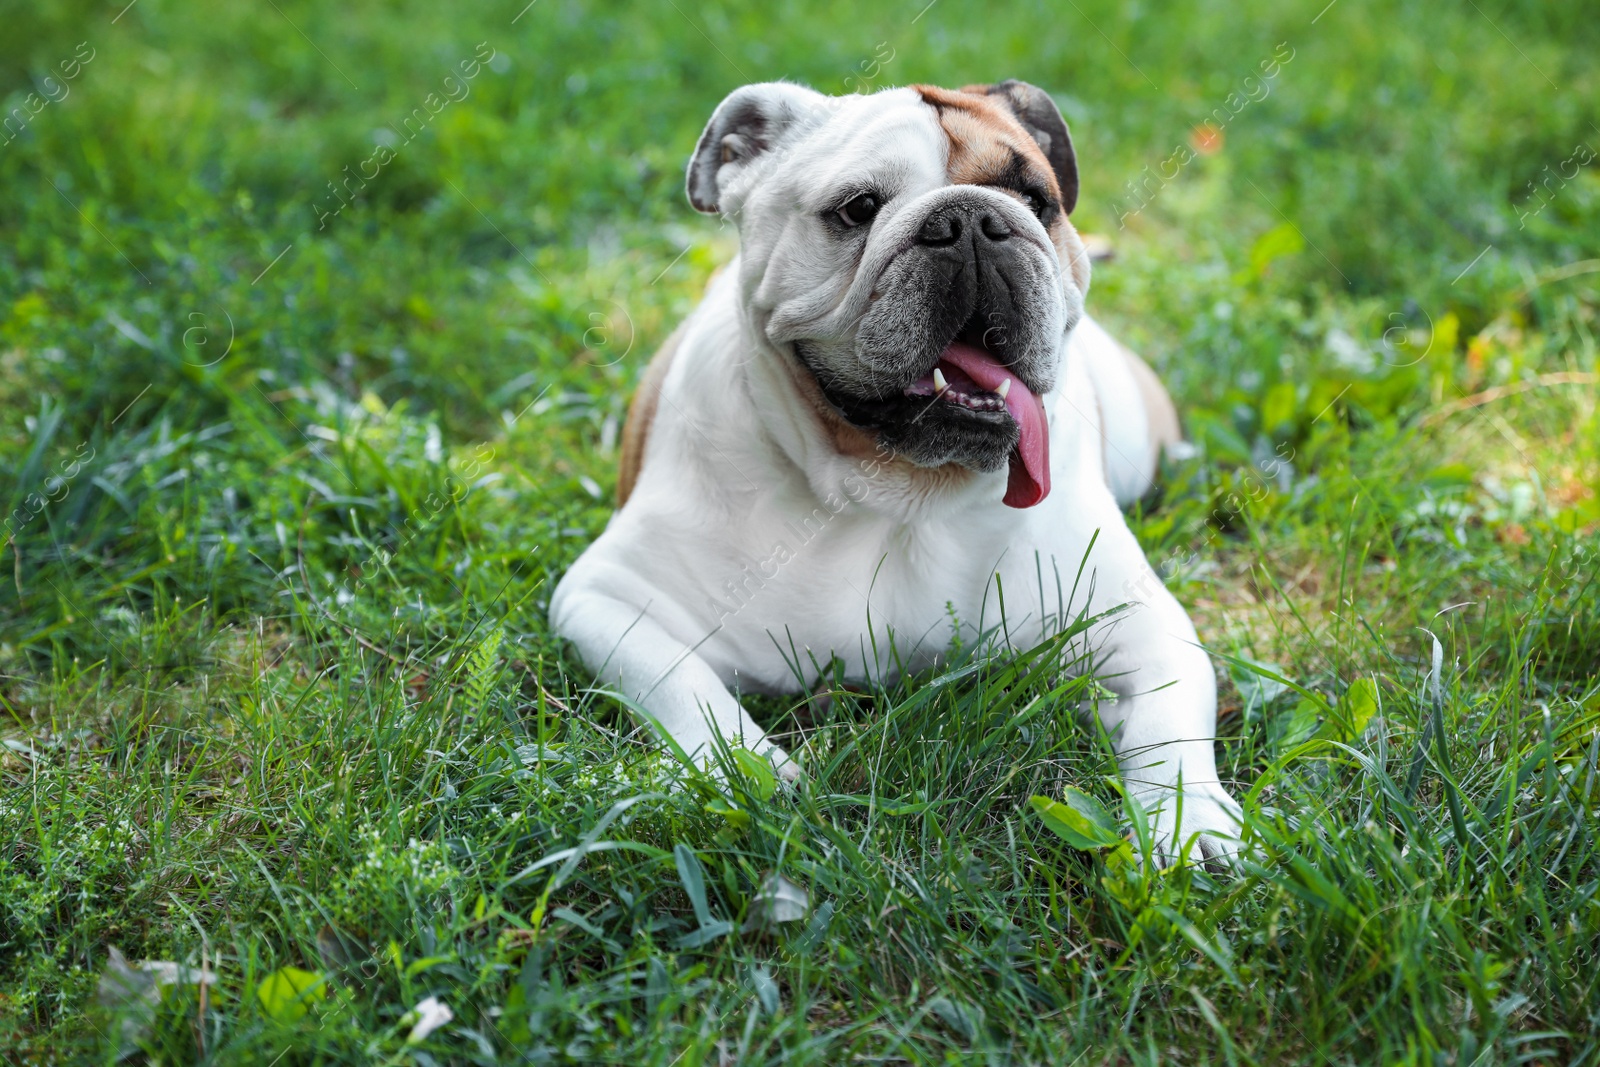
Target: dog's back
column 1138, row 420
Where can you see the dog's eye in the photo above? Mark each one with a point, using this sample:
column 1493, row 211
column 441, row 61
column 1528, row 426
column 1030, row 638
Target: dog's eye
column 1033, row 203
column 861, row 210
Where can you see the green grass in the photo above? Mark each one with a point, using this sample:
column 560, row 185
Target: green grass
column 276, row 686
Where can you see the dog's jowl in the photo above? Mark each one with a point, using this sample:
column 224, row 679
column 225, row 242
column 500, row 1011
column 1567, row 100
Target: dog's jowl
column 894, row 393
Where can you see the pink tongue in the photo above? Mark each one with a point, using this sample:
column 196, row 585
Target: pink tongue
column 1030, row 460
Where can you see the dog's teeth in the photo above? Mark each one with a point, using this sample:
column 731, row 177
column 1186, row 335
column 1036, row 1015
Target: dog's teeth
column 1005, row 387
column 938, row 380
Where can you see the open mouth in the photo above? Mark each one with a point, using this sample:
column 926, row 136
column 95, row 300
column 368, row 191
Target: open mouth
column 970, row 377
column 969, row 408
column 955, row 386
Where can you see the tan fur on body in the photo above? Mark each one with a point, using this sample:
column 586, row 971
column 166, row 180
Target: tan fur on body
column 642, row 414
column 1165, row 430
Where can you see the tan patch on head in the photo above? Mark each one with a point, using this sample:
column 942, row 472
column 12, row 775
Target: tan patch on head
column 985, row 138
column 986, row 142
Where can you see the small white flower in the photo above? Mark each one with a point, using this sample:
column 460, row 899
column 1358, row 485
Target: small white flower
column 431, row 1015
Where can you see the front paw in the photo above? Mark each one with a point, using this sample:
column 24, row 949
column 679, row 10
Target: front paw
column 1199, row 823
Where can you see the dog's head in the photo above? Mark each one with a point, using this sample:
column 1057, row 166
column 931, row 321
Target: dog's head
column 911, row 250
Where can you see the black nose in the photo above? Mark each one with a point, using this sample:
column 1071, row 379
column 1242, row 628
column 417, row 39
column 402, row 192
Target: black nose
column 940, row 229
column 994, row 227
column 945, row 226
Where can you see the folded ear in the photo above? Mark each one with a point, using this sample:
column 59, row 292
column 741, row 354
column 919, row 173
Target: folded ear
column 1038, row 114
column 751, row 121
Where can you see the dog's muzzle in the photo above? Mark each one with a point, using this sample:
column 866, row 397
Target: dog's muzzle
column 970, row 272
column 961, row 341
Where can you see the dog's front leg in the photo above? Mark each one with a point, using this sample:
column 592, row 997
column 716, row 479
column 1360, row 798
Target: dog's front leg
column 1163, row 722
column 674, row 688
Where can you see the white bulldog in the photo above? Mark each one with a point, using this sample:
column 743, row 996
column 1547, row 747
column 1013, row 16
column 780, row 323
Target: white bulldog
column 890, row 400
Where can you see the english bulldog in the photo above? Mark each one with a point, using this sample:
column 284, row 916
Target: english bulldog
column 888, row 402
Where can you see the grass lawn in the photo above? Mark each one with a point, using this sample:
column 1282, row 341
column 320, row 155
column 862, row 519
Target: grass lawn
column 317, row 325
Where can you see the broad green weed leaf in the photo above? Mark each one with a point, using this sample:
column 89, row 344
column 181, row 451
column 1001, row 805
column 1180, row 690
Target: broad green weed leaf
column 693, row 877
column 1078, row 819
column 705, row 935
column 288, row 992
column 766, row 989
column 416, row 967
column 1356, row 709
column 1278, row 406
column 965, row 1019
column 737, row 818
column 1292, row 726
column 758, row 772
column 1282, row 240
column 1258, row 684
column 1125, row 877
column 816, row 929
